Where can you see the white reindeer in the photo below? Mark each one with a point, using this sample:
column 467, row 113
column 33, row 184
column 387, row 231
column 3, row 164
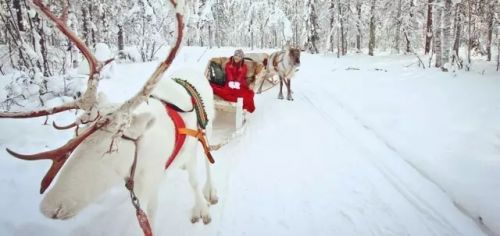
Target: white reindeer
column 138, row 133
column 90, row 171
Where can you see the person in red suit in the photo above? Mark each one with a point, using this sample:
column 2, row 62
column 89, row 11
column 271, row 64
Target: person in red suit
column 236, row 85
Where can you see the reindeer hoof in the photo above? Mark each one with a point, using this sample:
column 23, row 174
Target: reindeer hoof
column 201, row 212
column 289, row 98
column 259, row 92
column 207, row 219
column 280, row 96
column 211, row 195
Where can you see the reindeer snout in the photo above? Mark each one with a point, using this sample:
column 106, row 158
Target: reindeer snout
column 60, row 211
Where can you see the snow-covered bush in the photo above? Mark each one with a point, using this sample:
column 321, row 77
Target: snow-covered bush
column 21, row 90
column 129, row 54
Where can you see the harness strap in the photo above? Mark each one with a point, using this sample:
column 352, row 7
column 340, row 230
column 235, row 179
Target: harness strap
column 179, row 138
column 200, row 135
column 276, row 61
column 129, row 184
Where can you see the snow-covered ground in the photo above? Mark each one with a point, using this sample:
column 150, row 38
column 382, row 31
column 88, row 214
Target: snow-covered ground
column 389, row 149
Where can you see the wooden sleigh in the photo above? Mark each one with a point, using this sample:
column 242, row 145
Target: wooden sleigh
column 228, row 112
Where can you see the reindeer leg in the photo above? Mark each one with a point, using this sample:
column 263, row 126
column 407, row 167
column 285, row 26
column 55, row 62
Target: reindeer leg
column 200, row 209
column 288, row 83
column 259, row 91
column 152, row 207
column 209, row 190
column 280, row 95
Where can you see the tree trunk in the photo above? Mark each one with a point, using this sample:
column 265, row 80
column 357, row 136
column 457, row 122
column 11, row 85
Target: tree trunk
column 346, row 30
column 358, row 27
column 437, row 35
column 498, row 46
column 491, row 16
column 86, row 26
column 121, row 44
column 469, row 41
column 398, row 27
column 312, row 27
column 332, row 25
column 446, row 31
column 458, row 30
column 341, row 20
column 93, row 32
column 371, row 43
column 408, row 31
column 428, row 35
column 43, row 50
column 19, row 14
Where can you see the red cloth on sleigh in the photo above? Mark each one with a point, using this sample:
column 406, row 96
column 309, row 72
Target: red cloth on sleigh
column 236, row 73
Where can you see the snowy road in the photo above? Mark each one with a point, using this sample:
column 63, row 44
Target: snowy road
column 317, row 170
column 308, row 167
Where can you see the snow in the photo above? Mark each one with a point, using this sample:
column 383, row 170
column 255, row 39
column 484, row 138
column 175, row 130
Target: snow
column 389, row 149
column 102, row 52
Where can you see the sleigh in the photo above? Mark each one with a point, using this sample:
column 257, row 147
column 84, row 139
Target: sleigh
column 231, row 116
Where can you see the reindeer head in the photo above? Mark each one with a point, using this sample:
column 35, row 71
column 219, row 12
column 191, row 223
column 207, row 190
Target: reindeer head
column 294, row 54
column 103, row 129
column 93, row 168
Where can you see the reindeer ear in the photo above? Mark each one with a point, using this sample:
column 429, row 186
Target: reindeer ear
column 140, row 123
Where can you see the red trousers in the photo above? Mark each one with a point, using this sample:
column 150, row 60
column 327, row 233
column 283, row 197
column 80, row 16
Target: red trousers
column 231, row 95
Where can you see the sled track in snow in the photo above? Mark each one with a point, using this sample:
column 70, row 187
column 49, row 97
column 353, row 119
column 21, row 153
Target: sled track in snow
column 354, row 130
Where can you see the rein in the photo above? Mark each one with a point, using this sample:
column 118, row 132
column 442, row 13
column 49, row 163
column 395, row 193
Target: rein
column 129, row 184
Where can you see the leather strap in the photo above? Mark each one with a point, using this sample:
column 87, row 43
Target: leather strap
column 200, row 135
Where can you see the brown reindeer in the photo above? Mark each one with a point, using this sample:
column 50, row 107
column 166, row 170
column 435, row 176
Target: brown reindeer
column 284, row 64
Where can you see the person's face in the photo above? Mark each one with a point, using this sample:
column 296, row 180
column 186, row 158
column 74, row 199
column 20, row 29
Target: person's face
column 237, row 59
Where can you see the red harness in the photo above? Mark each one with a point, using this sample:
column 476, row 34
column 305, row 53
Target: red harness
column 179, row 138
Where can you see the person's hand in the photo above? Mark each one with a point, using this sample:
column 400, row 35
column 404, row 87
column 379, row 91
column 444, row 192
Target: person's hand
column 234, row 84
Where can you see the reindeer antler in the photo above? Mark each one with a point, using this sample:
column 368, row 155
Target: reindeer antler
column 58, row 156
column 153, row 80
column 89, row 99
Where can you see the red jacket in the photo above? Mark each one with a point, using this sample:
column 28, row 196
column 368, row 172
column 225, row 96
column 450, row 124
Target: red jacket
column 235, row 72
